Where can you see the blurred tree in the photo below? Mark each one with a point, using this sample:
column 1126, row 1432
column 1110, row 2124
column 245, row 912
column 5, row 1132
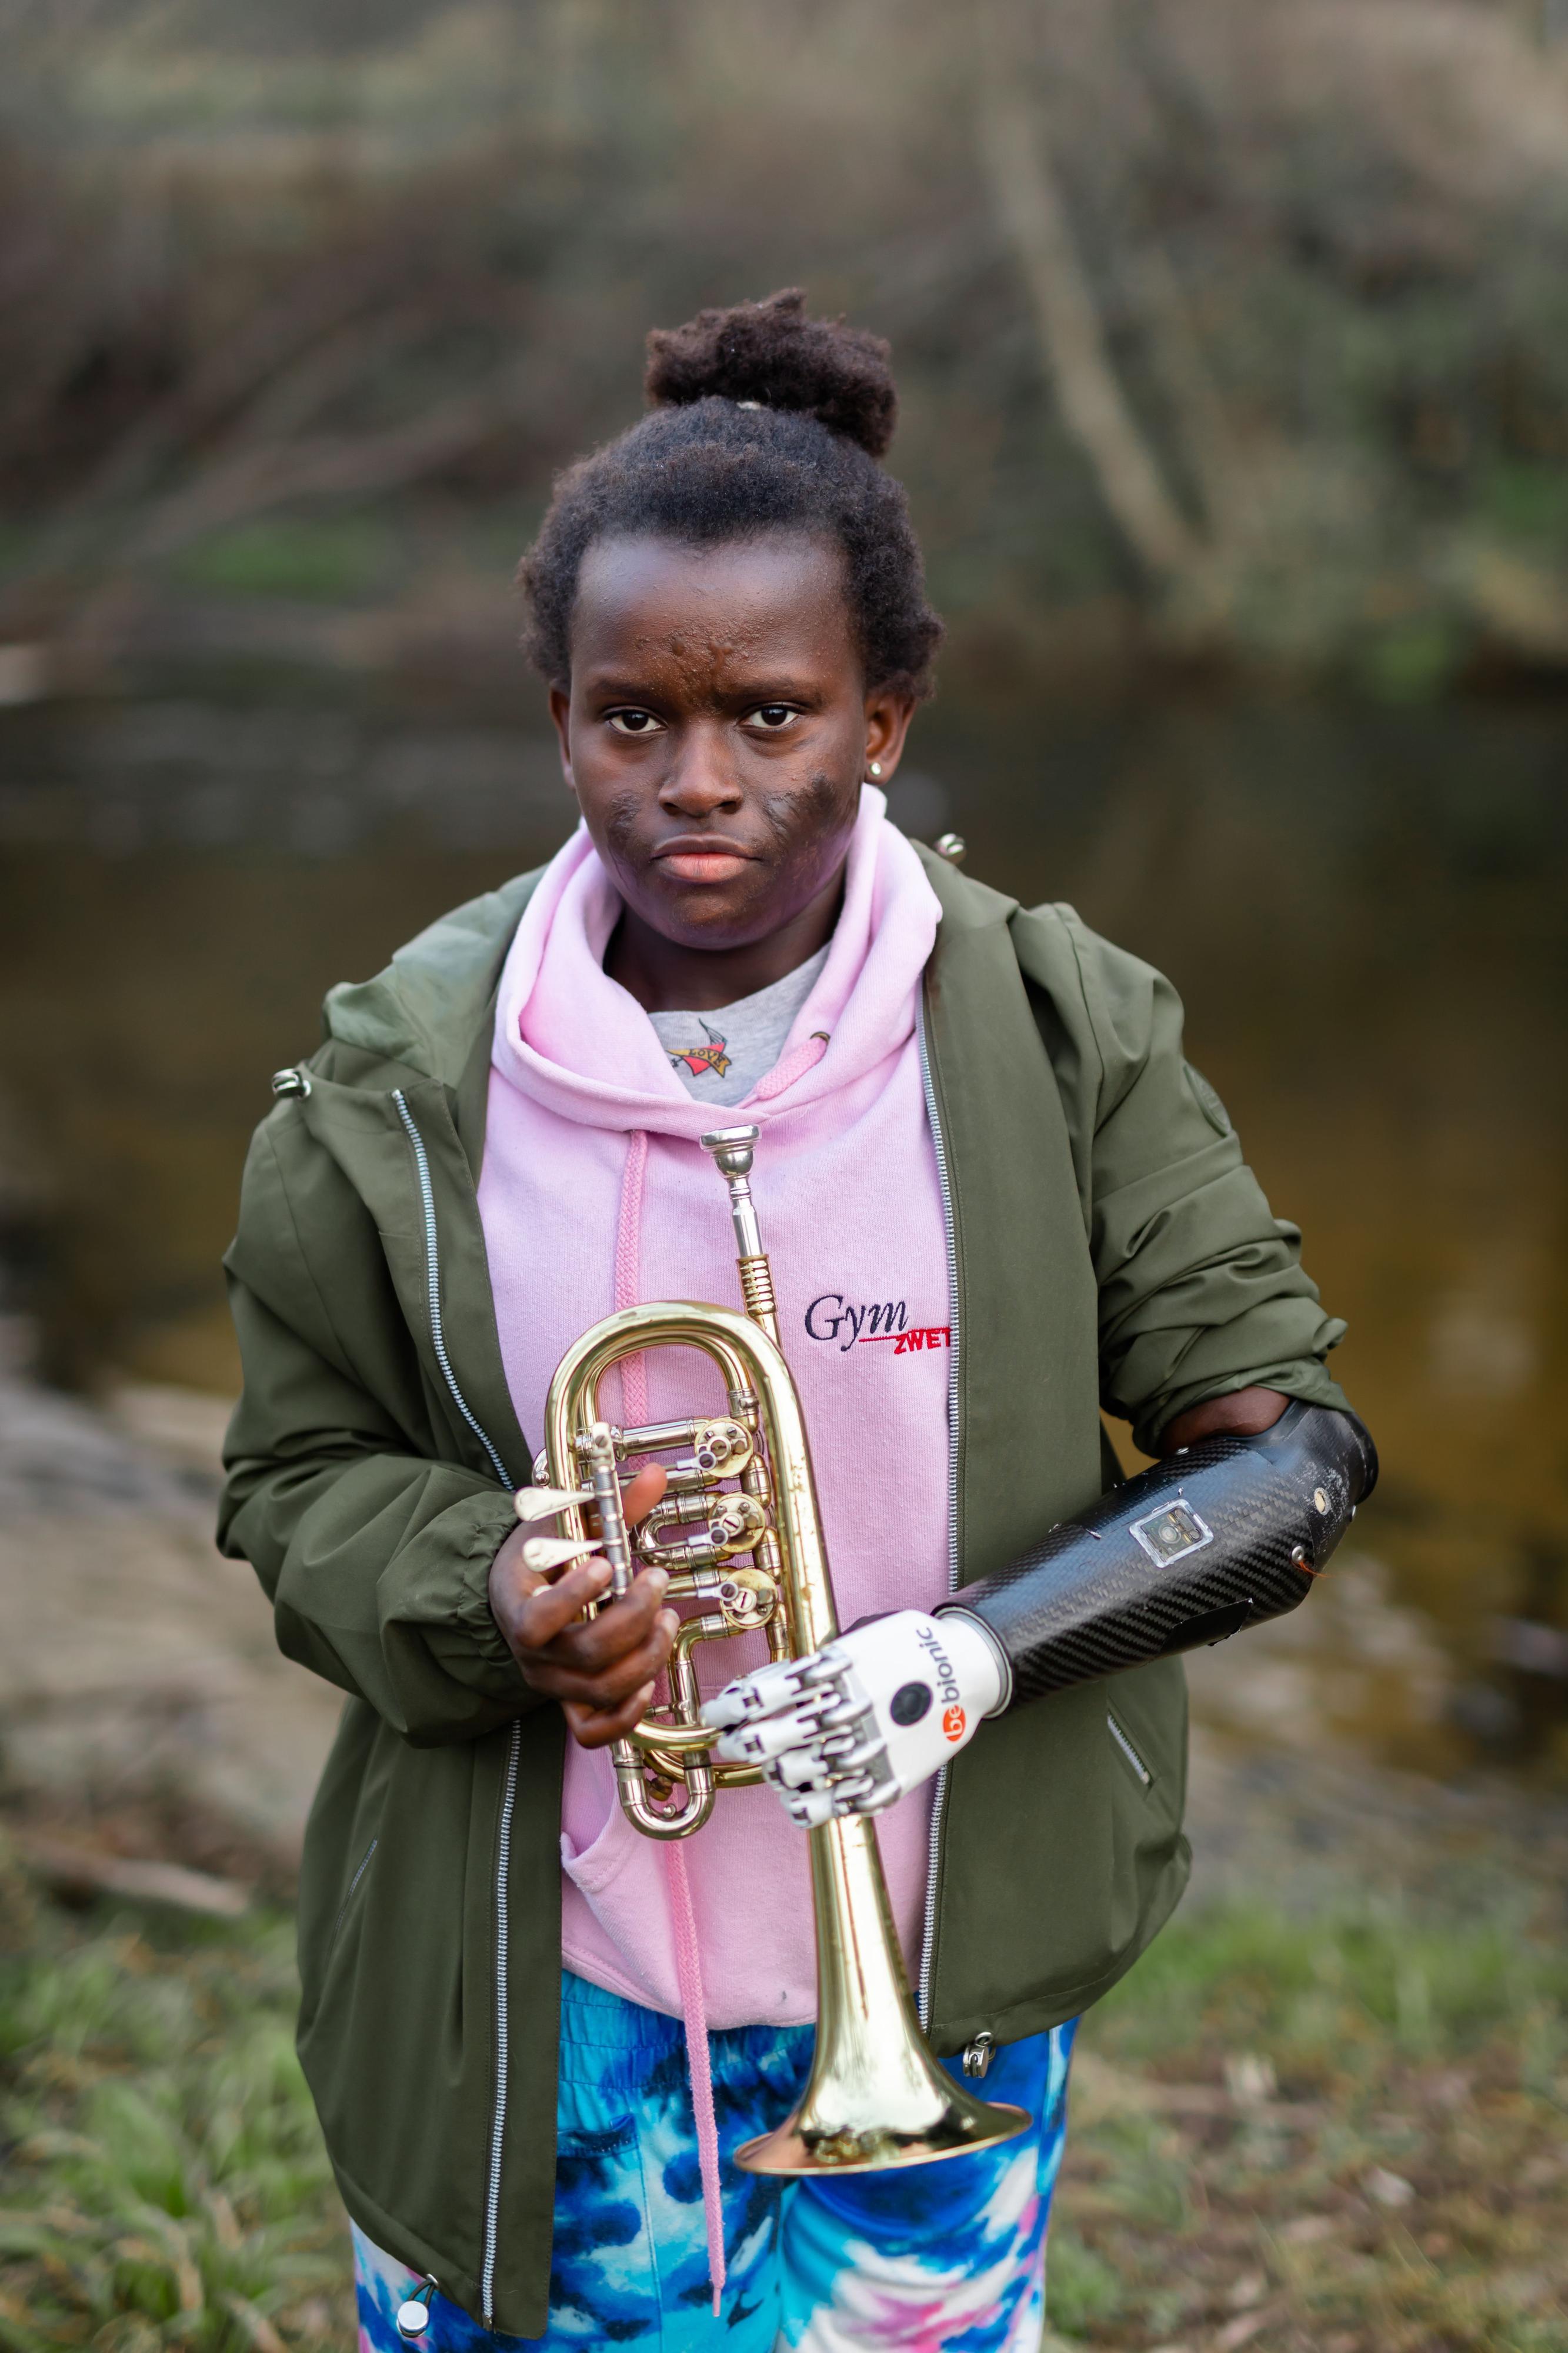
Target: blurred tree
column 1240, row 321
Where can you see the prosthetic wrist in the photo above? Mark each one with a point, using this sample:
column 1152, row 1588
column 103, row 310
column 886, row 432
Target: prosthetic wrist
column 1222, row 1535
column 869, row 1717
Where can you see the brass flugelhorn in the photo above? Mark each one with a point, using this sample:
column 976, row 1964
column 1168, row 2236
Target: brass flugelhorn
column 741, row 1533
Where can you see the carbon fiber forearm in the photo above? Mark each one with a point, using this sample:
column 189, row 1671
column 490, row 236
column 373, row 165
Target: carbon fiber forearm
column 1222, row 1535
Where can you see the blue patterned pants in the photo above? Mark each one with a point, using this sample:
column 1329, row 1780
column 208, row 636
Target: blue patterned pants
column 949, row 2256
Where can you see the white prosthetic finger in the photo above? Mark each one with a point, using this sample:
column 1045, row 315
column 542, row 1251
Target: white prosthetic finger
column 827, row 1665
column 856, row 1778
column 840, row 1801
column 801, row 1768
column 856, row 1744
column 840, row 1756
column 808, row 1808
column 777, row 1686
column 879, row 1795
column 772, row 1736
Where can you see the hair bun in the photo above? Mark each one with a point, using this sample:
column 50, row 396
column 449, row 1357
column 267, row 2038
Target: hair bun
column 771, row 354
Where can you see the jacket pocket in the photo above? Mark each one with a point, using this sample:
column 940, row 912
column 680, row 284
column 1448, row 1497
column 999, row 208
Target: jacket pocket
column 1062, row 1851
column 1144, row 1714
column 341, row 1842
column 1140, row 1772
column 397, row 2030
column 361, row 1867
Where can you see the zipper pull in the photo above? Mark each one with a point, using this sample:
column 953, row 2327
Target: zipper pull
column 414, row 2314
column 977, row 2054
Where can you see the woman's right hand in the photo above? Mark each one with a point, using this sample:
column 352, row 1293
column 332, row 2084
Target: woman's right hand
column 602, row 1670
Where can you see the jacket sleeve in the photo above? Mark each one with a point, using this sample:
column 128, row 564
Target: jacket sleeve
column 375, row 1556
column 1201, row 1291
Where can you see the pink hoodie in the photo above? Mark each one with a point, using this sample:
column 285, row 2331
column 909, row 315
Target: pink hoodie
column 594, row 1194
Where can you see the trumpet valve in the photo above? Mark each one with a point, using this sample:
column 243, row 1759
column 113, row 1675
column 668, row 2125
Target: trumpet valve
column 728, row 1523
column 748, row 1598
column 722, row 1449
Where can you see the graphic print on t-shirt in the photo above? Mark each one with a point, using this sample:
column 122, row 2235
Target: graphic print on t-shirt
column 720, row 1062
column 711, row 1057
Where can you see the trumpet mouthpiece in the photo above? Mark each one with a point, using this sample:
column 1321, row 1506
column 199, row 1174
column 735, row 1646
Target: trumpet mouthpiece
column 731, row 1148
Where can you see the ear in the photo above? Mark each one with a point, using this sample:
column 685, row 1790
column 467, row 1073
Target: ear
column 888, row 718
column 560, row 713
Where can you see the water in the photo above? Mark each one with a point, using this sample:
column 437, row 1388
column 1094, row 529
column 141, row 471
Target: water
column 1362, row 910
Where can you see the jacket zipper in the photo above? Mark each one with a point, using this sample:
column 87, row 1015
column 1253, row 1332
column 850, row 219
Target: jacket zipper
column 514, row 1745
column 1128, row 1750
column 939, row 1801
column 433, row 1279
column 503, row 2036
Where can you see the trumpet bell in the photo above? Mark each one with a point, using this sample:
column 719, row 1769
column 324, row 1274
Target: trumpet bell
column 859, row 2121
column 877, row 2098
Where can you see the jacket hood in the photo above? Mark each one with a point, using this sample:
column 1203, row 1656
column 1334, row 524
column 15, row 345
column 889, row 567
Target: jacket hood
column 424, row 1008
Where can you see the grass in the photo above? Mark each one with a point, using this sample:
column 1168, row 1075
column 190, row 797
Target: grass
column 1346, row 2134
column 164, row 2180
column 1340, row 2134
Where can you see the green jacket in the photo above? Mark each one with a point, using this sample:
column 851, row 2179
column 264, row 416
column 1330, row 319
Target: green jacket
column 1110, row 1247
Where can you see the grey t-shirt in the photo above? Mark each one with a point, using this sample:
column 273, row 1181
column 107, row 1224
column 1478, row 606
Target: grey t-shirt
column 720, row 1055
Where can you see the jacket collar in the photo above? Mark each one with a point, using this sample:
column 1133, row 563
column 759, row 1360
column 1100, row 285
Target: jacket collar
column 425, row 1010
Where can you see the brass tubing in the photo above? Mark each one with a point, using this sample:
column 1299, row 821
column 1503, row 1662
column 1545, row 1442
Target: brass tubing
column 654, row 1437
column 672, row 1762
column 632, row 1790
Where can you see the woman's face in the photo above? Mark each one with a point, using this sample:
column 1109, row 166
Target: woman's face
column 718, row 727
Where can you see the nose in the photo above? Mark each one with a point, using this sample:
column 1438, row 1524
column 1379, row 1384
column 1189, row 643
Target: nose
column 702, row 780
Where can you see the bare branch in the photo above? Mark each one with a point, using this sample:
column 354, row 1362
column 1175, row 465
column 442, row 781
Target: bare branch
column 1210, row 441
column 1017, row 155
column 257, row 479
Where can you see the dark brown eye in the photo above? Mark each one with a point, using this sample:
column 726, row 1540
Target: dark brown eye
column 633, row 722
column 774, row 714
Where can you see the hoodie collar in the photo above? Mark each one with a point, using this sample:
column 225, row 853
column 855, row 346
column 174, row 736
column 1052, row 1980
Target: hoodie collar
column 575, row 1040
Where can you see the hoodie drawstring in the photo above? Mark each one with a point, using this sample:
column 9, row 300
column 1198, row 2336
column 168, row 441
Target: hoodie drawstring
column 688, row 1955
column 794, row 1065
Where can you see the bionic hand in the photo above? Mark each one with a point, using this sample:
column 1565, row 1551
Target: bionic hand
column 859, row 1723
column 1222, row 1535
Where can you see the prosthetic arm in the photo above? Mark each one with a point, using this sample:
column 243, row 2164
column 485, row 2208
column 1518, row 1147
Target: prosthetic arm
column 1222, row 1535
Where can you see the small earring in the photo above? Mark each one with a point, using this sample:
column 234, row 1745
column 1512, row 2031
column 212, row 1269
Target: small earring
column 876, row 768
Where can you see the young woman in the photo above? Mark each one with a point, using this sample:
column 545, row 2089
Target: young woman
column 534, row 2038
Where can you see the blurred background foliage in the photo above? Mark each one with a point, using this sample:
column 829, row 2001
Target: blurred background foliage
column 1232, row 330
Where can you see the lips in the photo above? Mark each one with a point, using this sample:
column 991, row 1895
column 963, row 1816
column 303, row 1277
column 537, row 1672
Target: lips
column 696, row 861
